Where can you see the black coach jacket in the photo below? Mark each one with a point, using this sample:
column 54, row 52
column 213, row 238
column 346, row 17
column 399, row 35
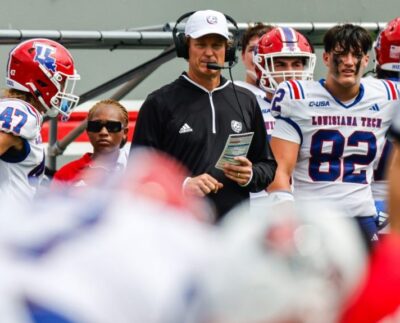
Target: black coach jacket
column 192, row 124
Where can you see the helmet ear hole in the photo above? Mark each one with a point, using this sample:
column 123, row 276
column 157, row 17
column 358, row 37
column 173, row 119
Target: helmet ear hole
column 41, row 83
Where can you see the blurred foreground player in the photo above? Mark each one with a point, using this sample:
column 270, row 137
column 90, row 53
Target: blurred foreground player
column 283, row 264
column 129, row 252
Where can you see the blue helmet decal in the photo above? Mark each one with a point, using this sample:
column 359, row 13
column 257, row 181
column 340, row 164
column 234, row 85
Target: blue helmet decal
column 44, row 56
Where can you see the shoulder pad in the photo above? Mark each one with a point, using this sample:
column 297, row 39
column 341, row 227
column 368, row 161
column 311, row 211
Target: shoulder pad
column 19, row 118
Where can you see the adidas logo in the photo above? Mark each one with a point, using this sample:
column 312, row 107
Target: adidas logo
column 185, row 128
column 375, row 107
column 375, row 237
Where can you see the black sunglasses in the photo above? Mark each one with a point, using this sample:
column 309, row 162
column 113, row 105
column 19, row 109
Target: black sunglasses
column 111, row 126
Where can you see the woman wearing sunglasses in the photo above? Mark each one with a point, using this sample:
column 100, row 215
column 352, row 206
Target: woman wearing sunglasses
column 107, row 129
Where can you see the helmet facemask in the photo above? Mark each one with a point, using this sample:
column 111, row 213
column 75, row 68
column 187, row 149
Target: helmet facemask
column 269, row 76
column 63, row 101
column 282, row 43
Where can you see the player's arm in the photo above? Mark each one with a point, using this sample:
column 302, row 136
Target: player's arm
column 8, row 140
column 285, row 144
column 285, row 153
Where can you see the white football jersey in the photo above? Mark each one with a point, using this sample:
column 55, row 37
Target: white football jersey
column 264, row 104
column 21, row 172
column 107, row 257
column 269, row 120
column 339, row 142
column 379, row 184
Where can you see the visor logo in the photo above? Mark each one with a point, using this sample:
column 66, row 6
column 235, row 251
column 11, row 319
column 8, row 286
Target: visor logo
column 212, row 20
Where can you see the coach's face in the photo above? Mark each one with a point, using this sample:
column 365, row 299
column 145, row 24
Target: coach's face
column 207, row 49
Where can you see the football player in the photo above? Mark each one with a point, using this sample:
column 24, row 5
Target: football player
column 281, row 54
column 329, row 133
column 387, row 54
column 41, row 78
column 248, row 42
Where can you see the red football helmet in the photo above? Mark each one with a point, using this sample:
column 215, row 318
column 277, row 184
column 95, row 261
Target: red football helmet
column 387, row 47
column 45, row 69
column 282, row 42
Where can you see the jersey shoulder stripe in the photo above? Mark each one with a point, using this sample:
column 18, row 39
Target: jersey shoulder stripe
column 295, row 90
column 34, row 113
column 391, row 89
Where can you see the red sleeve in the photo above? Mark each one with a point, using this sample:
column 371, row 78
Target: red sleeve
column 379, row 294
column 72, row 171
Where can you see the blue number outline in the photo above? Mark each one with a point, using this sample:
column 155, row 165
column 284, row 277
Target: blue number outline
column 278, row 97
column 7, row 116
column 334, row 158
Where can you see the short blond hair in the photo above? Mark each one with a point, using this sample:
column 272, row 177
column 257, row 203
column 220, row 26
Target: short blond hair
column 124, row 111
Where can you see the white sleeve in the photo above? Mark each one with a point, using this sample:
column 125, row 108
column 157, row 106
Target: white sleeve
column 284, row 130
column 19, row 118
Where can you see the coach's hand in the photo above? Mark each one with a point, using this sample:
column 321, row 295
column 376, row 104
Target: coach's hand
column 202, row 185
column 240, row 174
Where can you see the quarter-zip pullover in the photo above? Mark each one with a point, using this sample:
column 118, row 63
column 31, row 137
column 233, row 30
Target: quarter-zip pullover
column 192, row 124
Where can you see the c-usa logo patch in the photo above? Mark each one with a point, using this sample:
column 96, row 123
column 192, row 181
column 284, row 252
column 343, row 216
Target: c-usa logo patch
column 44, row 56
column 236, row 126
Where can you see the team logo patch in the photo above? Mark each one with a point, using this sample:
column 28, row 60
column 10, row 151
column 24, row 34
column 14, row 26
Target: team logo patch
column 236, row 126
column 212, row 20
column 319, row 104
column 44, row 56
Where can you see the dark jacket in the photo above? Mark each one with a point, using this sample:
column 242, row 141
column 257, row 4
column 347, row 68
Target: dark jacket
column 192, row 124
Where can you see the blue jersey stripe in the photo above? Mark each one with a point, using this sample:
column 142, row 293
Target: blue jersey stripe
column 290, row 90
column 387, row 89
column 301, row 90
